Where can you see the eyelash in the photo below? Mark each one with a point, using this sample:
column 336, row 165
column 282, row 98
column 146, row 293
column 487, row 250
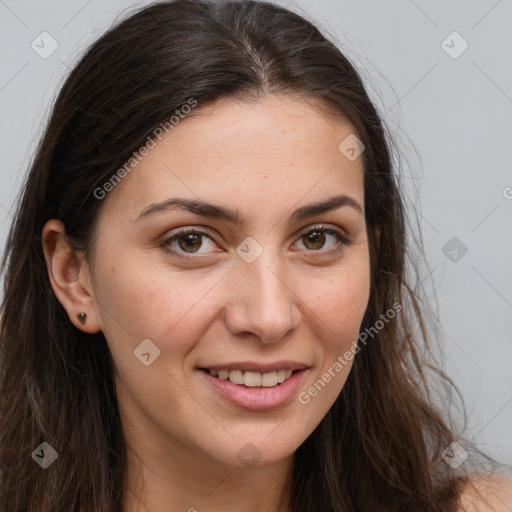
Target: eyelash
column 342, row 239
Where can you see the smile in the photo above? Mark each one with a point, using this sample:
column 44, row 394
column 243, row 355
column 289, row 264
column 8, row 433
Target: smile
column 255, row 390
column 253, row 379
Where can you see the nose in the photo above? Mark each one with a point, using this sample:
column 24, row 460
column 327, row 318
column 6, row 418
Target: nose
column 263, row 301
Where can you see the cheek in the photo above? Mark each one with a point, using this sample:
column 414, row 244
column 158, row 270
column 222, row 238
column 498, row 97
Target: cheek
column 138, row 301
column 337, row 306
column 142, row 298
column 340, row 302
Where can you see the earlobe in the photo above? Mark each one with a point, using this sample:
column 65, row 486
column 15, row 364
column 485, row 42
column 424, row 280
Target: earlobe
column 69, row 277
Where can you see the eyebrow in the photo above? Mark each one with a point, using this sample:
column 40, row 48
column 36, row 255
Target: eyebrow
column 220, row 212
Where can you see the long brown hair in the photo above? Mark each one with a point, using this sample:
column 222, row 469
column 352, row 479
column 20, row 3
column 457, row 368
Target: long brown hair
column 380, row 445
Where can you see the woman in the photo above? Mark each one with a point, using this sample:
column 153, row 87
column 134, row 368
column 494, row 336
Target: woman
column 205, row 297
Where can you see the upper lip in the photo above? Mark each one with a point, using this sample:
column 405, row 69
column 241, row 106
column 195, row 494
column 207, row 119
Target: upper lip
column 252, row 366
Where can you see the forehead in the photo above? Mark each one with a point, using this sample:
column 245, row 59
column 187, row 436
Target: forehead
column 278, row 148
column 275, row 125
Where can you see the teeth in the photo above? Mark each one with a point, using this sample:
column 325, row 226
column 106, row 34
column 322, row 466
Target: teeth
column 269, row 380
column 236, row 377
column 253, row 379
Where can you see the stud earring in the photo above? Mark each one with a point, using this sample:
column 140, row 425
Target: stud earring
column 82, row 317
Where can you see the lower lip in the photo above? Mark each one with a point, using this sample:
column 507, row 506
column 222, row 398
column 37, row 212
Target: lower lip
column 257, row 398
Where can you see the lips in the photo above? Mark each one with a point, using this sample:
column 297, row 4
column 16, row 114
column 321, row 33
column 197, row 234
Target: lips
column 255, row 386
column 251, row 374
column 251, row 366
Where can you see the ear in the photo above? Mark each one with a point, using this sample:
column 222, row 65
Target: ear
column 69, row 276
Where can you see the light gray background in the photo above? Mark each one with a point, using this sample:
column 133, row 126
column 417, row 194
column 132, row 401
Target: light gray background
column 452, row 118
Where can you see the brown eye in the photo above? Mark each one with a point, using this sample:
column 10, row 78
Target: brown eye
column 315, row 238
column 189, row 241
column 319, row 236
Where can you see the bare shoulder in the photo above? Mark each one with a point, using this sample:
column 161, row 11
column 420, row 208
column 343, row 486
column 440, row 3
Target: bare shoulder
column 488, row 493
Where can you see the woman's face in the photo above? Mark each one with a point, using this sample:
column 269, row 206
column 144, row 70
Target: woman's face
column 246, row 290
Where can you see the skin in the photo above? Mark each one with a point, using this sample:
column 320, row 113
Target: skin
column 488, row 493
column 297, row 300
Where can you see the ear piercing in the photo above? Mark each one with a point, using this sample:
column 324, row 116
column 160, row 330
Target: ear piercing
column 82, row 317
